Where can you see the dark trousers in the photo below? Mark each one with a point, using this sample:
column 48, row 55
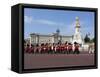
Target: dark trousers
column 70, row 51
column 76, row 51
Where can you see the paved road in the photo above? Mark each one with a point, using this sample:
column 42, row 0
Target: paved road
column 32, row 61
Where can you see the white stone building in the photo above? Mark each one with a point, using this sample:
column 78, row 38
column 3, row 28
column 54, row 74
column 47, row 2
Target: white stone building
column 51, row 38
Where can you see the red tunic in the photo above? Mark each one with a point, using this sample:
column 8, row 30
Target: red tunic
column 44, row 49
column 57, row 48
column 65, row 47
column 69, row 47
column 76, row 47
column 27, row 49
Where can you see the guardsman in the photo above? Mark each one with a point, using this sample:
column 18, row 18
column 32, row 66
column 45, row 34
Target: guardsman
column 27, row 48
column 46, row 46
column 57, row 48
column 42, row 47
column 37, row 48
column 62, row 48
column 76, row 48
column 66, row 48
column 49, row 48
column 70, row 49
column 53, row 48
column 31, row 49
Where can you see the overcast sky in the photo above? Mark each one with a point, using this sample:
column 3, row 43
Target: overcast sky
column 46, row 21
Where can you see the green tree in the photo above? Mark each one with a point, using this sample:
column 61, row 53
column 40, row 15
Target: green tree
column 87, row 39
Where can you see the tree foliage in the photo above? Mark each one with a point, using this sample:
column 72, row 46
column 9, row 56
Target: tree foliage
column 86, row 39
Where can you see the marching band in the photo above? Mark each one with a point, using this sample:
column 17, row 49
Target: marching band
column 64, row 48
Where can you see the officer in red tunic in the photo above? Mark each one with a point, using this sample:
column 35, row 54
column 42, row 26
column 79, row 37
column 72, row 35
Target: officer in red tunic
column 27, row 48
column 49, row 48
column 66, row 48
column 57, row 48
column 76, row 48
column 70, row 48
column 31, row 49
column 42, row 48
column 62, row 48
column 46, row 48
column 37, row 48
column 53, row 48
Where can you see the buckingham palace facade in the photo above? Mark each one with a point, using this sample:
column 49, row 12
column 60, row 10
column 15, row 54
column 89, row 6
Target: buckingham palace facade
column 36, row 38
